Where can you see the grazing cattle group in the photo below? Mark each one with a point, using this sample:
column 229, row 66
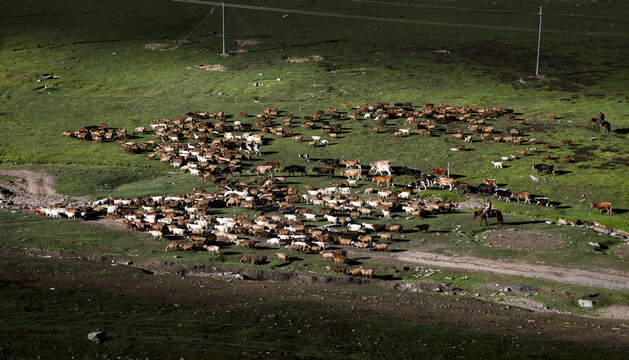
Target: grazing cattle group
column 216, row 149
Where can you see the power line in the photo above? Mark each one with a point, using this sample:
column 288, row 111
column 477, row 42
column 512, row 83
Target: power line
column 202, row 21
column 403, row 21
column 478, row 9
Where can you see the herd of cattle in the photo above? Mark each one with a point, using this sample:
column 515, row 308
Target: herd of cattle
column 348, row 219
column 217, row 148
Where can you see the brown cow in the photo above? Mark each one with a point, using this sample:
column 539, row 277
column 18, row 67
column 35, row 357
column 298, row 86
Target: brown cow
column 351, row 162
column 338, row 269
column 381, row 246
column 522, row 195
column 282, row 256
column 422, row 227
column 440, row 171
column 245, row 259
column 273, row 164
column 602, row 205
column 366, row 273
column 259, row 260
column 382, row 180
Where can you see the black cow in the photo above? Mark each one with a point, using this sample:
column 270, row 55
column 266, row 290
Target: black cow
column 464, row 187
column 323, row 170
column 233, row 169
column 402, row 170
column 544, row 167
column 503, row 193
column 485, row 189
column 331, row 162
column 292, row 169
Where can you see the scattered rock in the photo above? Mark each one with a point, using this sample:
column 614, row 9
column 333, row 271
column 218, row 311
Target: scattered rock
column 522, row 288
column 586, row 303
column 97, row 336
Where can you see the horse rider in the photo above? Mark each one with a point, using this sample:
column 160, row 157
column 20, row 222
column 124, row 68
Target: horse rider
column 601, row 118
column 487, row 209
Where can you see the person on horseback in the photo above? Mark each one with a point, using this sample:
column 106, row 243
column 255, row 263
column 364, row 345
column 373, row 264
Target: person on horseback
column 601, row 118
column 487, row 209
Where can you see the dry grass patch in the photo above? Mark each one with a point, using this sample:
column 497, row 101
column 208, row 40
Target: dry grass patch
column 300, row 60
column 159, row 47
column 247, row 42
column 208, row 67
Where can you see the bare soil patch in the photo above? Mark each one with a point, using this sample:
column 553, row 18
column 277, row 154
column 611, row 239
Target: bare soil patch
column 159, row 47
column 208, row 67
column 523, row 240
column 299, row 60
column 615, row 312
column 32, row 188
column 247, row 42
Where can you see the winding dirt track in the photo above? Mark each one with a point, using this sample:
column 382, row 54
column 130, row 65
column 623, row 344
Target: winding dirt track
column 606, row 278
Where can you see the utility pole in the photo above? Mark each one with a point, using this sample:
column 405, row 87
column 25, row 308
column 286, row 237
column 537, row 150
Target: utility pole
column 539, row 41
column 224, row 27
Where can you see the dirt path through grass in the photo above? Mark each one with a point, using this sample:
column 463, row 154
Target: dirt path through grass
column 32, row 188
column 606, row 278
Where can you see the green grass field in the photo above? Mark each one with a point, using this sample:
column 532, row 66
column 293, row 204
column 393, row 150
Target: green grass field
column 475, row 53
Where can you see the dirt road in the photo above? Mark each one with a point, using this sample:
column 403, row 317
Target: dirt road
column 32, row 188
column 605, row 278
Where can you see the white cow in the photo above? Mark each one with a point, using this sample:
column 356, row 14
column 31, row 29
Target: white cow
column 381, row 166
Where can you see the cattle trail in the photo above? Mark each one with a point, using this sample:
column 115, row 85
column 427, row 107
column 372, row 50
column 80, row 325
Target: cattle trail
column 35, row 188
column 609, row 279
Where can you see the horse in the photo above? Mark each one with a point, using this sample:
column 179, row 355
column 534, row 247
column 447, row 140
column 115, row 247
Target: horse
column 602, row 123
column 493, row 213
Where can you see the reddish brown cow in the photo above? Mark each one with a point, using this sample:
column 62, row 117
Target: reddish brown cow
column 383, row 180
column 602, row 205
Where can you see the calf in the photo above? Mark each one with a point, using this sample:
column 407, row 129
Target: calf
column 601, row 205
column 213, row 249
column 542, row 201
column 282, row 256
